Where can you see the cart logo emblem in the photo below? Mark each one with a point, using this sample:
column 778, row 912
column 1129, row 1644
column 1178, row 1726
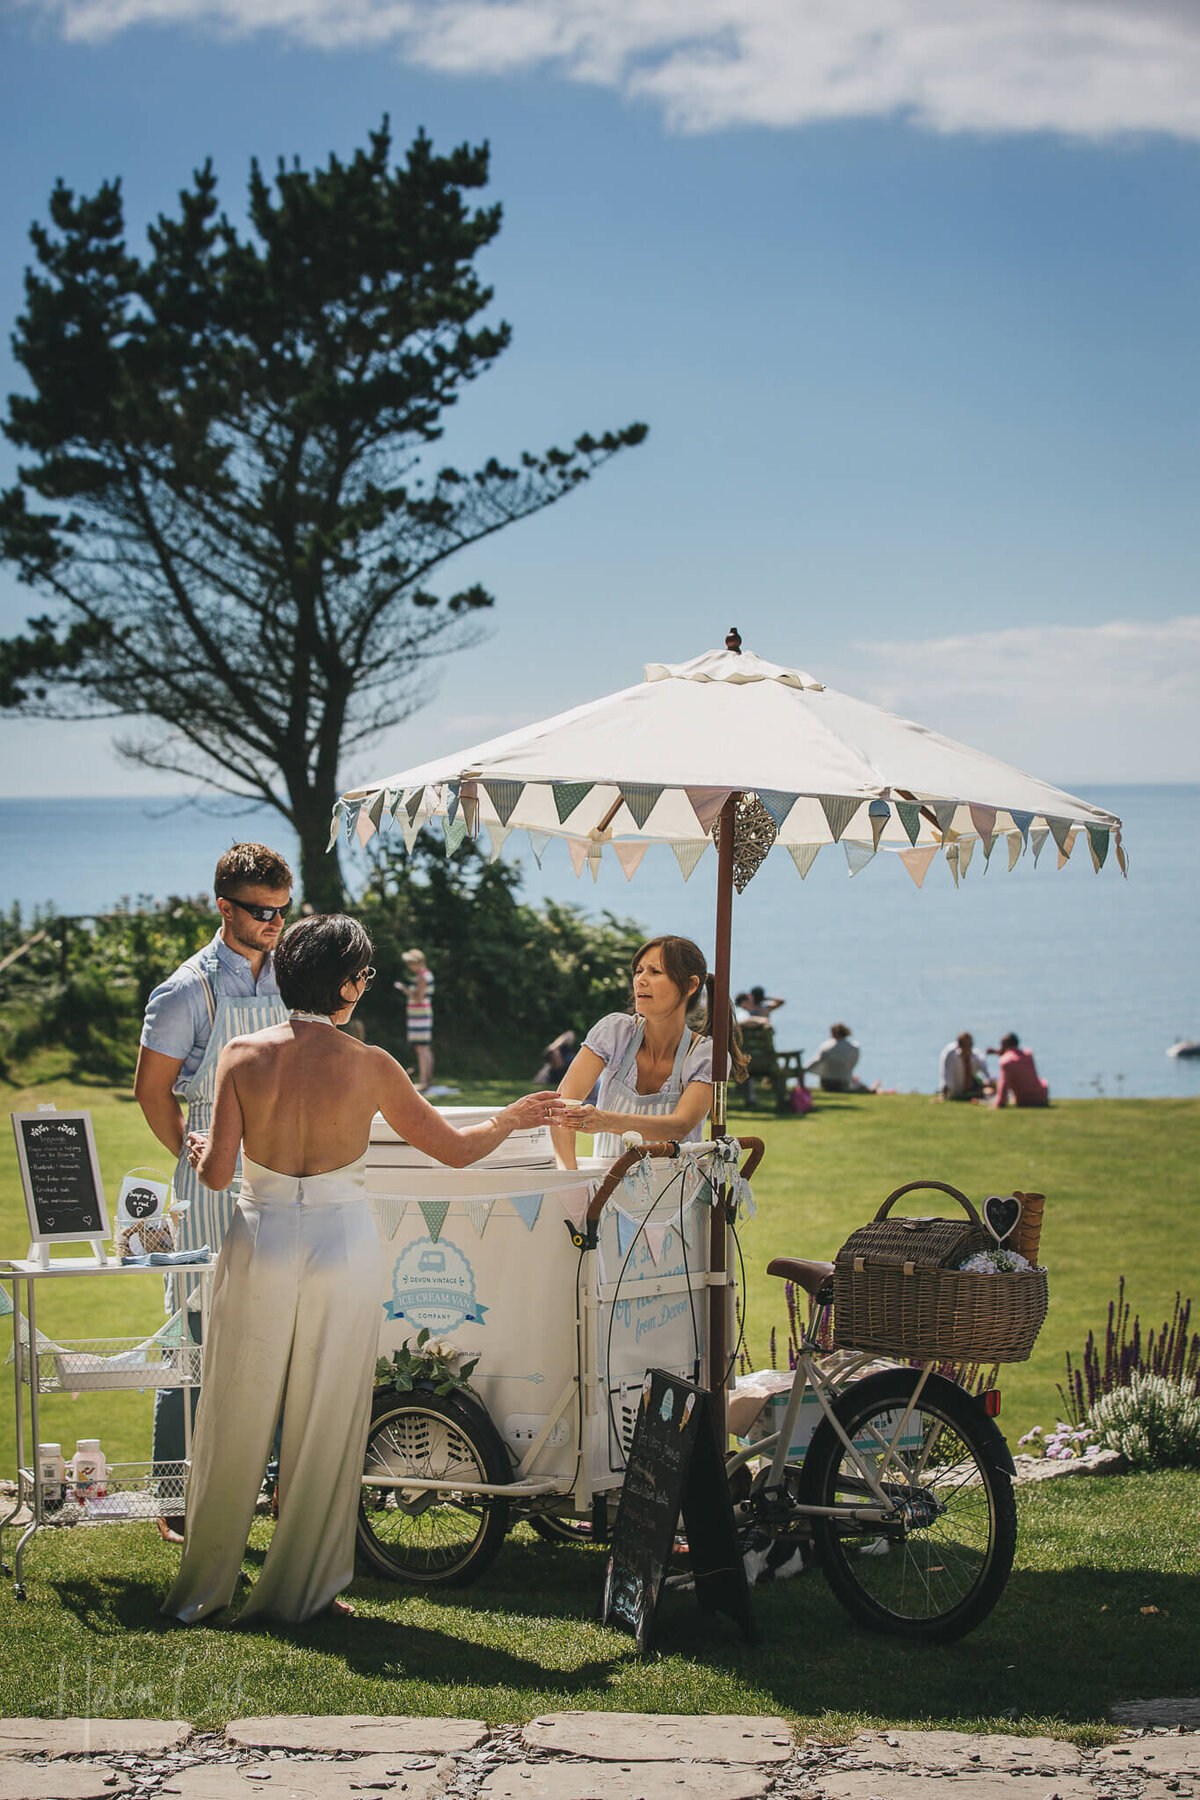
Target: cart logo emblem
column 433, row 1285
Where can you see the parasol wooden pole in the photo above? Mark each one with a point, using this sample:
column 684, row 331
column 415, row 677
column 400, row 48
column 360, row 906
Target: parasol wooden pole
column 718, row 1342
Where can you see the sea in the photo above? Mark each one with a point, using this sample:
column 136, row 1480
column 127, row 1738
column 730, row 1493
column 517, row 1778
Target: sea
column 1097, row 974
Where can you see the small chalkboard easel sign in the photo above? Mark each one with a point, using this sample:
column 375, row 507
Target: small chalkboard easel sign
column 675, row 1465
column 60, row 1173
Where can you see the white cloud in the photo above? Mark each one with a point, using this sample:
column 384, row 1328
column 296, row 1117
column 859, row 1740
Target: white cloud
column 1112, row 702
column 1087, row 68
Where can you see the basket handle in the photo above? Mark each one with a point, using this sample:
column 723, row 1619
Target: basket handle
column 943, row 1187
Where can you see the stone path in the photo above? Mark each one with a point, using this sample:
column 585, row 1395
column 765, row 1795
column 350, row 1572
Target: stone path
column 574, row 1756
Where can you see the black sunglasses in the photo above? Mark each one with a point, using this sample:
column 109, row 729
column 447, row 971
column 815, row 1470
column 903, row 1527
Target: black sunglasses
column 264, row 914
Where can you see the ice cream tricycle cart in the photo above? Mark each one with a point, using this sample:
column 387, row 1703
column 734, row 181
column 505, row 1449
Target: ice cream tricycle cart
column 561, row 1287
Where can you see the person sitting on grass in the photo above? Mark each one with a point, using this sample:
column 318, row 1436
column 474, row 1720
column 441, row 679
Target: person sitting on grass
column 1019, row 1080
column 963, row 1074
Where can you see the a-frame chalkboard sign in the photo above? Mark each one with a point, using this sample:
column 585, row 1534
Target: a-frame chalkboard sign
column 675, row 1466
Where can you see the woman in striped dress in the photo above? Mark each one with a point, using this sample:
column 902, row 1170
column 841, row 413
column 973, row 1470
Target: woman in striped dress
column 654, row 1070
column 418, row 994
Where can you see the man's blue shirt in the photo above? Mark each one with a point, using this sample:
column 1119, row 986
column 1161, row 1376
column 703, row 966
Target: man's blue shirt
column 176, row 1022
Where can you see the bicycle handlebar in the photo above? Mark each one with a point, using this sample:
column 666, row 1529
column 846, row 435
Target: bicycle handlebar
column 753, row 1146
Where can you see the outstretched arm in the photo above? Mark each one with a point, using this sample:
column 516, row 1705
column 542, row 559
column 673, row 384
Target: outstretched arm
column 421, row 1125
column 693, row 1106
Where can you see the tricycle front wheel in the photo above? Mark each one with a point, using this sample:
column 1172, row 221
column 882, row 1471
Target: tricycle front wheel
column 411, row 1534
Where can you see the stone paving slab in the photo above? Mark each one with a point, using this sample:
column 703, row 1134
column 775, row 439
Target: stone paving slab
column 358, row 1732
column 1156, row 1755
column 380, row 1777
column 57, row 1781
column 977, row 1784
column 1174, row 1787
column 1185, row 1712
column 660, row 1737
column 962, row 1750
column 629, row 1781
column 97, row 1737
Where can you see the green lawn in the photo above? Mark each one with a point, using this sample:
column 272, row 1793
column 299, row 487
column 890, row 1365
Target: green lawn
column 1070, row 1635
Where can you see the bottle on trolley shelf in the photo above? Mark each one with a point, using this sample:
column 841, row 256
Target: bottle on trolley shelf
column 51, row 1476
column 89, row 1471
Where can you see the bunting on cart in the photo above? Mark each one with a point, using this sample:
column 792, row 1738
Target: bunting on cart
column 479, row 1212
column 527, row 1207
column 627, row 1229
column 434, row 1214
column 575, row 1205
column 657, row 1233
column 389, row 1209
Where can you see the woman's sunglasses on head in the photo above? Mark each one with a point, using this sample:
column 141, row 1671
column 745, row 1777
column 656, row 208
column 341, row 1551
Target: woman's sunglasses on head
column 264, row 914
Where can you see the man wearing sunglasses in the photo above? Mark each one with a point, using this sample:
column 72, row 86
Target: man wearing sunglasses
column 226, row 990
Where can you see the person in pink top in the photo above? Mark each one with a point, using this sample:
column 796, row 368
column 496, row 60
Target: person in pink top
column 1019, row 1079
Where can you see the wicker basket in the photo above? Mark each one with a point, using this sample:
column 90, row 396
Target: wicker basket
column 909, row 1310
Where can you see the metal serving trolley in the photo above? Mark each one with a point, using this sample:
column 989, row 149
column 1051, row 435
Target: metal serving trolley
column 168, row 1358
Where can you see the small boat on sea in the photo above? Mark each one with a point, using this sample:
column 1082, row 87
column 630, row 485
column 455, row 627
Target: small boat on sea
column 1185, row 1047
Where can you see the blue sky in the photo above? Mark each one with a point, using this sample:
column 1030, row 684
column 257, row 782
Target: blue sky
column 912, row 314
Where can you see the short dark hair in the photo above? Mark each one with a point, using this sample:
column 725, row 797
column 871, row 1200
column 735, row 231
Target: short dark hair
column 250, row 865
column 1010, row 1041
column 839, row 1031
column 316, row 956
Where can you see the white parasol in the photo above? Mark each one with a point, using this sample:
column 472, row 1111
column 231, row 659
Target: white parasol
column 731, row 748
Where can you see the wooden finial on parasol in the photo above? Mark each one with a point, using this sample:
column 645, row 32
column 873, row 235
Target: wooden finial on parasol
column 733, row 640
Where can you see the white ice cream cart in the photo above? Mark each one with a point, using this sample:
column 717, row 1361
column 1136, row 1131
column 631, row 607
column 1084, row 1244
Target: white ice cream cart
column 563, row 1287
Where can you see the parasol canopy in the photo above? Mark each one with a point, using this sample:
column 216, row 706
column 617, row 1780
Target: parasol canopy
column 656, row 762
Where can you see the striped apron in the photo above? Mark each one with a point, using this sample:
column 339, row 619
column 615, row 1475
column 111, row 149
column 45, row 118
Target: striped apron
column 618, row 1091
column 208, row 1214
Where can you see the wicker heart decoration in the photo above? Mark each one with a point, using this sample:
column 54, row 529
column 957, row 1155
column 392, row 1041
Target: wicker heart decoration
column 1001, row 1214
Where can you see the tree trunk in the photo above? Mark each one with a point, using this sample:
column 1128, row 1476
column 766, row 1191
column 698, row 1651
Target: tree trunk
column 320, row 872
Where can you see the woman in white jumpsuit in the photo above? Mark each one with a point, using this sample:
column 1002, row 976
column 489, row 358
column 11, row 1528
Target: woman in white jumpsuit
column 654, row 1070
column 298, row 1288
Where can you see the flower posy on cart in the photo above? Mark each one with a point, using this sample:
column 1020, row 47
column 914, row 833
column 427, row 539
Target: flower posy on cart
column 734, row 750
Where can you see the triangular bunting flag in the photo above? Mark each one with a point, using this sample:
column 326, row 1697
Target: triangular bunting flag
column 1038, row 840
column 641, row 801
column 706, row 804
column 391, row 1209
column 857, row 855
column 1122, row 859
column 777, row 804
column 629, row 855
column 1066, row 847
column 375, row 810
column 944, row 813
column 879, row 812
column 917, row 862
column 351, row 817
column 966, row 851
column 454, row 830
column 1098, row 845
column 1016, row 844
column 804, row 856
column 504, row 796
column 952, row 859
column 434, row 1213
column 411, row 829
column 497, row 834
column 656, row 1237
column 910, row 818
column 455, row 788
column 1058, row 830
column 578, row 849
column 595, row 851
column 527, row 1207
column 537, row 843
column 627, row 1230
column 575, row 1205
column 839, row 809
column 984, row 820
column 364, row 828
column 335, row 825
column 688, row 854
column 470, row 806
column 1022, row 821
column 412, row 802
column 568, row 795
column 479, row 1212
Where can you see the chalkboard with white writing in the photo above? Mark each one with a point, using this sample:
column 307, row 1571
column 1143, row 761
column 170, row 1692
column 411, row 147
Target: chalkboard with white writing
column 675, row 1466
column 64, row 1195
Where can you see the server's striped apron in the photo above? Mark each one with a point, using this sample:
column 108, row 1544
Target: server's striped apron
column 209, row 1213
column 618, row 1091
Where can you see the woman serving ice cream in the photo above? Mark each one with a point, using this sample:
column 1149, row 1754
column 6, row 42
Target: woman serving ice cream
column 654, row 1070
